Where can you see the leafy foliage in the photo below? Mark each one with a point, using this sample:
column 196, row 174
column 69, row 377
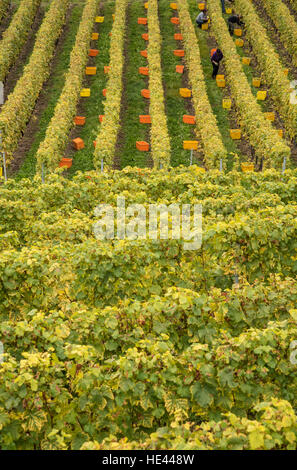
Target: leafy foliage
column 15, row 36
column 262, row 136
column 4, row 4
column 270, row 62
column 285, row 24
column 51, row 149
column 18, row 108
column 132, row 344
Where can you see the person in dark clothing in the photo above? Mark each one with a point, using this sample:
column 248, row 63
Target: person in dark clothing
column 232, row 21
column 216, row 57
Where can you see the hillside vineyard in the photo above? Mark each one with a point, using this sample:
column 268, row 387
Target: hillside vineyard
column 148, row 225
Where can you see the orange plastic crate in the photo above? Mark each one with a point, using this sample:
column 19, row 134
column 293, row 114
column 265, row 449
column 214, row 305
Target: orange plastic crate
column 221, row 83
column 247, row 166
column 239, row 42
column 270, row 116
column 91, row 70
column 93, row 52
column 235, row 134
column 246, row 60
column 257, row 82
column 143, row 53
column 101, row 117
column 180, row 68
column 179, row 53
column 142, row 146
column 79, row 120
column 178, row 37
column 190, row 144
column 142, row 21
column 174, row 20
column 94, row 143
column 78, row 143
column 145, row 119
column 145, row 93
column 145, row 36
column 143, row 70
column 187, row 119
column 66, row 162
column 185, row 92
column 104, row 92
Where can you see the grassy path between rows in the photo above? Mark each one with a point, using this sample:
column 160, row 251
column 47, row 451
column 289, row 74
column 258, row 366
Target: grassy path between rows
column 93, row 106
column 133, row 103
column 176, row 106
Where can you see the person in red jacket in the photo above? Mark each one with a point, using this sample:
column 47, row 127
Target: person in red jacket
column 216, row 56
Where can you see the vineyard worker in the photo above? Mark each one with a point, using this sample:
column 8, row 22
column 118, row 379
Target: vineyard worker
column 216, row 56
column 232, row 21
column 202, row 18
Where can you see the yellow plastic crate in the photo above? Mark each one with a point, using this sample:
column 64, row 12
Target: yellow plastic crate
column 85, row 92
column 201, row 6
column 270, row 116
column 247, row 167
column 99, row 19
column 257, row 82
column 191, row 144
column 1, row 170
column 239, row 42
column 280, row 132
column 95, row 36
column 227, row 103
column 205, row 26
column 261, row 95
column 146, row 5
column 246, row 60
column 220, row 77
column 185, row 92
column 91, row 70
column 229, row 11
column 173, row 6
column 238, row 32
column 235, row 134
